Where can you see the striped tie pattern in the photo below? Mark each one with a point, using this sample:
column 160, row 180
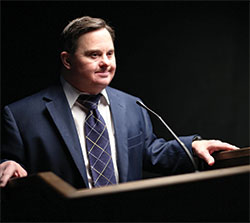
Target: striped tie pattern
column 97, row 143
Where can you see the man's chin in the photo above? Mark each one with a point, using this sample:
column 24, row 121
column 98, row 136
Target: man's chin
column 103, row 81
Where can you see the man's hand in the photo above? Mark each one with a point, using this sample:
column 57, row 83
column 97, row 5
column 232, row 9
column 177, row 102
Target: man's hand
column 204, row 149
column 9, row 169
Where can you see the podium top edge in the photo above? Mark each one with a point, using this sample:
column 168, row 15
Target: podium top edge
column 161, row 181
column 232, row 154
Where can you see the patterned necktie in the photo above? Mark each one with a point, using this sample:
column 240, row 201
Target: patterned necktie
column 97, row 143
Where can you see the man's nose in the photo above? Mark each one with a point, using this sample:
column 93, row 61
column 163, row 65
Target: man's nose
column 105, row 61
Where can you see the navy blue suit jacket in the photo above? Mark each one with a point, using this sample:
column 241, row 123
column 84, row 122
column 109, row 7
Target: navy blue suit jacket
column 40, row 134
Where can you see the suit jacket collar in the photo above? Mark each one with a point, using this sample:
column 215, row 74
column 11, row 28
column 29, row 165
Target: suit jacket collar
column 59, row 110
column 118, row 112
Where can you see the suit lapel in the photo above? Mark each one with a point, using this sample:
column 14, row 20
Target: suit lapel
column 118, row 111
column 60, row 112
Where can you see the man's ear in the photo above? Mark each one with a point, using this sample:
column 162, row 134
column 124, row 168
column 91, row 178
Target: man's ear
column 65, row 58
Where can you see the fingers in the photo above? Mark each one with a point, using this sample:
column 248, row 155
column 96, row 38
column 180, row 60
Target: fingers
column 217, row 145
column 6, row 172
column 202, row 152
column 20, row 172
column 204, row 149
column 208, row 158
column 10, row 169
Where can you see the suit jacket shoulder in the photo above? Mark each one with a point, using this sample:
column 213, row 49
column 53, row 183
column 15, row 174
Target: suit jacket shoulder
column 122, row 94
column 52, row 92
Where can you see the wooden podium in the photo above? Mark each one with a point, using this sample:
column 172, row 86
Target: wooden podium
column 212, row 195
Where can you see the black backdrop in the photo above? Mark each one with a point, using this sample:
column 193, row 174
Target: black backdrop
column 187, row 60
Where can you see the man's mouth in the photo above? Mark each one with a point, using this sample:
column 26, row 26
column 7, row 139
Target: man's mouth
column 103, row 73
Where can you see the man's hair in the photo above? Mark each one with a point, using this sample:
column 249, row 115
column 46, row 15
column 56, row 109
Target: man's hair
column 80, row 26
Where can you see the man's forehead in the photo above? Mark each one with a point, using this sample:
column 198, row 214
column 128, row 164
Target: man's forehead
column 100, row 35
column 96, row 40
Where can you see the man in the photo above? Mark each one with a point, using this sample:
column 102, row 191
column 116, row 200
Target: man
column 49, row 131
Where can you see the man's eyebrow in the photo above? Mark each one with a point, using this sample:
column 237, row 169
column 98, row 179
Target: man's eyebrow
column 92, row 51
column 97, row 50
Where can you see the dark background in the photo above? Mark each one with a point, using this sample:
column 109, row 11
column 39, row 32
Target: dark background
column 188, row 61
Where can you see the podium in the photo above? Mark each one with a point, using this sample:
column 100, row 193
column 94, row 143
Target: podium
column 219, row 194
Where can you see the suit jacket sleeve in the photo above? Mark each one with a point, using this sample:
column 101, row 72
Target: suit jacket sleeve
column 166, row 157
column 12, row 144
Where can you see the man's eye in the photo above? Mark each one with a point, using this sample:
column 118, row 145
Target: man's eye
column 94, row 55
column 110, row 53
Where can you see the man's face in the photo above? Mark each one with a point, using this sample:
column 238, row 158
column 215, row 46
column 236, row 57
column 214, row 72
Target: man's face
column 93, row 65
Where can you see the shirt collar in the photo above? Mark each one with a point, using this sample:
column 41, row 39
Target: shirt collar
column 72, row 93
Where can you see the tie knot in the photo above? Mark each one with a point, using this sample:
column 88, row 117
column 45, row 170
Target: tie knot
column 89, row 101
